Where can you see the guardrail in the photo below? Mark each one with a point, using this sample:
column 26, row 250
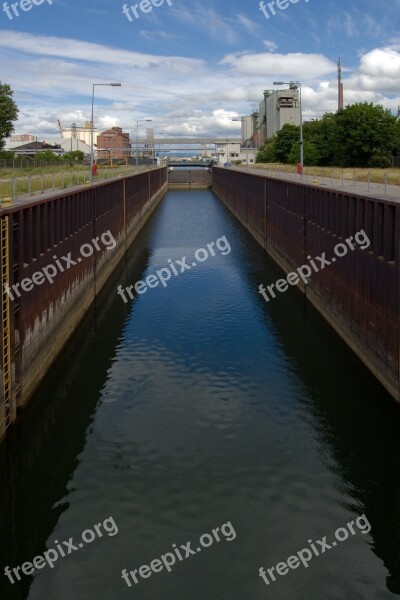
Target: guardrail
column 362, row 182
column 31, row 185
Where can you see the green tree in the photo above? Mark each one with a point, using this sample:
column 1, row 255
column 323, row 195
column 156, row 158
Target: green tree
column 47, row 155
column 266, row 154
column 321, row 133
column 311, row 154
column 8, row 113
column 285, row 138
column 364, row 133
column 396, row 145
column 74, row 155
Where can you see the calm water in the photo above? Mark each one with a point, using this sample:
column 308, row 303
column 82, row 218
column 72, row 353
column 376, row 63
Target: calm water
column 194, row 406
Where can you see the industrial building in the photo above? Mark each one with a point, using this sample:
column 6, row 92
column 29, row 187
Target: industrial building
column 250, row 127
column 233, row 151
column 72, row 144
column 113, row 143
column 278, row 108
column 31, row 148
column 22, row 137
column 80, row 133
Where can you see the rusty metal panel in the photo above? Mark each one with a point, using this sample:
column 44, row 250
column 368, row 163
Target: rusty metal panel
column 58, row 226
column 359, row 294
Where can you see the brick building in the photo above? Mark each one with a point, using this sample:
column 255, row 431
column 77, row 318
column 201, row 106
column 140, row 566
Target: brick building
column 24, row 137
column 113, row 143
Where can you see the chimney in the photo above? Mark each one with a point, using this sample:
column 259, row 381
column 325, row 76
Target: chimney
column 340, row 86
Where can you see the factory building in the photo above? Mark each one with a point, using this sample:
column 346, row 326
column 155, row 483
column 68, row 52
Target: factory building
column 278, row 108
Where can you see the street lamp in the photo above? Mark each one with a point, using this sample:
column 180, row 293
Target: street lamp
column 137, row 137
column 294, row 85
column 91, row 127
column 240, row 119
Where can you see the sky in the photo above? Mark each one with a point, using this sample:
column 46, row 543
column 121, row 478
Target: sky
column 192, row 66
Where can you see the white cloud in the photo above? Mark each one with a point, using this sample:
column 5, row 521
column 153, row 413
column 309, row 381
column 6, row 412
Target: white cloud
column 207, row 20
column 90, row 52
column 279, row 64
column 270, row 45
column 52, row 79
column 250, row 26
column 381, row 62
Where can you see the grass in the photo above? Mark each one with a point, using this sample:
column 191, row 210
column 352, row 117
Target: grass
column 8, row 172
column 376, row 175
column 49, row 178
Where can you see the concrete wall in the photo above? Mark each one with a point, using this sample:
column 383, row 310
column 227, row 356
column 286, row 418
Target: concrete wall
column 42, row 319
column 359, row 294
column 189, row 178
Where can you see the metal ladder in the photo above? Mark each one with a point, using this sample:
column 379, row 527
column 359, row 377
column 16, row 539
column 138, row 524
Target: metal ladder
column 5, row 316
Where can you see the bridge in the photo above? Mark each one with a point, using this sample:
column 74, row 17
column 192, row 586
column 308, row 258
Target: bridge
column 191, row 141
column 188, row 164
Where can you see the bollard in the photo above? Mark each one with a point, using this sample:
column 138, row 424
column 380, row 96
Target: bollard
column 385, row 184
column 369, row 181
column 14, row 188
column 29, row 186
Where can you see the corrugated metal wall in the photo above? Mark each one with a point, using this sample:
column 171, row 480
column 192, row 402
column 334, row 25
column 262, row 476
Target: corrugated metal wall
column 37, row 234
column 359, row 294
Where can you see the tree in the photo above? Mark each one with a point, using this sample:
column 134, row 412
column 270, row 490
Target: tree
column 284, row 141
column 364, row 133
column 321, row 133
column 7, row 155
column 74, row 155
column 8, row 113
column 47, row 155
column 266, row 154
column 311, row 154
column 396, row 145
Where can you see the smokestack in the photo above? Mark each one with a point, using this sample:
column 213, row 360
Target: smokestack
column 340, row 86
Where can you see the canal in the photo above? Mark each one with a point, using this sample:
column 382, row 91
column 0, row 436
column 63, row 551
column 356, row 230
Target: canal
column 198, row 406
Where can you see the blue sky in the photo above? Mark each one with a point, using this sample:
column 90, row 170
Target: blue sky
column 193, row 66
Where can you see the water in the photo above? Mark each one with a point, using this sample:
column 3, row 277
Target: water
column 194, row 406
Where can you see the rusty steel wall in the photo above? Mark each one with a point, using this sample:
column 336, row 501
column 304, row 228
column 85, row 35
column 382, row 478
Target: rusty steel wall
column 189, row 177
column 359, row 295
column 39, row 232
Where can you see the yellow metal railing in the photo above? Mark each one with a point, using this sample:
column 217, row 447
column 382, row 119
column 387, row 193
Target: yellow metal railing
column 5, row 316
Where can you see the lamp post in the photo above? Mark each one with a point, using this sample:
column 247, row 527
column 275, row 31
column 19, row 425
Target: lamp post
column 137, row 137
column 91, row 127
column 240, row 120
column 293, row 85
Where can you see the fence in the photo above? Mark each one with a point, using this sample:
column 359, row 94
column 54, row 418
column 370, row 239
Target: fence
column 30, row 185
column 32, row 163
column 359, row 181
